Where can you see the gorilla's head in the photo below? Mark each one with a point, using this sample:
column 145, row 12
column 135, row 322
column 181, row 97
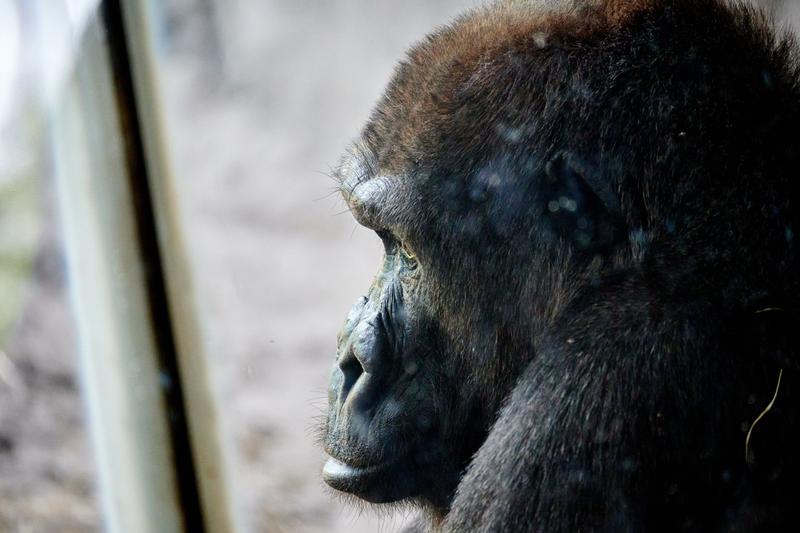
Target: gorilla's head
column 457, row 175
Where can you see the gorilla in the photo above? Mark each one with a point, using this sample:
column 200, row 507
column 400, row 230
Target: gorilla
column 586, row 318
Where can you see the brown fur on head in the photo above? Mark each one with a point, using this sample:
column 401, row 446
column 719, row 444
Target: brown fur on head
column 437, row 75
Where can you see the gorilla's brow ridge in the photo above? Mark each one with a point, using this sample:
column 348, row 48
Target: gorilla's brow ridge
column 358, row 164
column 357, row 167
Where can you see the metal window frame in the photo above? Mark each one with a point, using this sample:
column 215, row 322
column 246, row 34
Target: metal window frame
column 145, row 375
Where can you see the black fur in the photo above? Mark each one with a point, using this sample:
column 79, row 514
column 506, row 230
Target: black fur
column 590, row 284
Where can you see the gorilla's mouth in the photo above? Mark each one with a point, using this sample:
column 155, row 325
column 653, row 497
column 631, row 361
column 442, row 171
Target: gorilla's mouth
column 366, row 482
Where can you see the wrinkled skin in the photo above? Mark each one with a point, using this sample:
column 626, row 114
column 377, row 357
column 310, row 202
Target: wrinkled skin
column 589, row 285
column 394, row 403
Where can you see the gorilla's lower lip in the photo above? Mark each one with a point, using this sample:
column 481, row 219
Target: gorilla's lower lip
column 366, row 482
column 336, row 471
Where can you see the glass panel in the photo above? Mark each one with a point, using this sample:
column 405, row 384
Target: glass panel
column 46, row 465
column 260, row 99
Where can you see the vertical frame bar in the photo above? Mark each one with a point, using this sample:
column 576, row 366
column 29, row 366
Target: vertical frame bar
column 108, row 278
column 152, row 412
column 205, row 443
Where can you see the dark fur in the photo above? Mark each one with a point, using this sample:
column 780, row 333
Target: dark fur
column 602, row 201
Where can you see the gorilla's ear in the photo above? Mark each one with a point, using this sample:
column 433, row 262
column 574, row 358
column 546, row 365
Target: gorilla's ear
column 580, row 205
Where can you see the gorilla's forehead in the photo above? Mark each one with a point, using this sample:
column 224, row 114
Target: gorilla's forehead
column 454, row 92
column 461, row 99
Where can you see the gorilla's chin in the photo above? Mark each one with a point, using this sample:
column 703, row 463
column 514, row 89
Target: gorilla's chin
column 382, row 483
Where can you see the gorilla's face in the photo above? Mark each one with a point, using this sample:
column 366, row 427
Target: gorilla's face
column 385, row 430
column 426, row 357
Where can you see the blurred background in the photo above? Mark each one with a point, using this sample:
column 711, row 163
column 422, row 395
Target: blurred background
column 259, row 98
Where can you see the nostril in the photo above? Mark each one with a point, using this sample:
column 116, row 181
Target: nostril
column 351, row 370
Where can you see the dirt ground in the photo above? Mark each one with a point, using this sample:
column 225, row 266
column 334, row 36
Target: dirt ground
column 261, row 97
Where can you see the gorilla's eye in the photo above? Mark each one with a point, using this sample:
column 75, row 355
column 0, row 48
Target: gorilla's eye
column 409, row 259
column 394, row 247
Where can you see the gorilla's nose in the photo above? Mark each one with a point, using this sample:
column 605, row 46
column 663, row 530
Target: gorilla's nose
column 362, row 357
column 351, row 369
